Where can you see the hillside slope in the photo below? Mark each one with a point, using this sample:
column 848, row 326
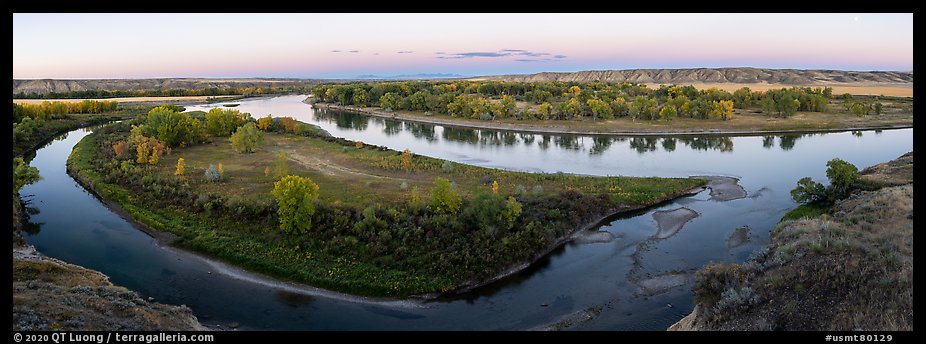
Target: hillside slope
column 718, row 75
column 850, row 269
column 43, row 86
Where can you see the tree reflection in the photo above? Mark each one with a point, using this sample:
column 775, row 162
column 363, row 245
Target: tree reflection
column 460, row 135
column 600, row 144
column 668, row 144
column 768, row 142
column 421, row 131
column 786, row 142
column 391, row 127
column 527, row 138
column 643, row 144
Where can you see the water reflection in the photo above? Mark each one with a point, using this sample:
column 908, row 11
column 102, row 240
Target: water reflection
column 595, row 145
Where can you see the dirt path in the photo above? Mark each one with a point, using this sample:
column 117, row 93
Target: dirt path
column 331, row 169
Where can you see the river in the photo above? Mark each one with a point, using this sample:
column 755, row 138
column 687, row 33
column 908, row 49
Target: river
column 70, row 224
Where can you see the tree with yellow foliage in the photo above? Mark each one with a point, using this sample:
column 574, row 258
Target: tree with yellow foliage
column 142, row 150
column 181, row 166
column 154, row 158
column 264, row 123
column 407, row 160
column 495, row 186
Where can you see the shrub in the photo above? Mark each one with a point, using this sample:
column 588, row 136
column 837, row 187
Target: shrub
column 444, row 199
column 447, row 166
column 212, row 174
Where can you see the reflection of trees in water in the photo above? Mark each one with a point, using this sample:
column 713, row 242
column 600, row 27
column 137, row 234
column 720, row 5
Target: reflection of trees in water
column 544, row 143
column 509, row 138
column 721, row 143
column 568, row 142
column 391, row 127
column 421, row 131
column 460, row 135
column 600, row 144
column 857, row 133
column 768, row 142
column 786, row 142
column 29, row 227
column 344, row 120
column 488, row 137
column 668, row 144
column 643, row 144
column 527, row 138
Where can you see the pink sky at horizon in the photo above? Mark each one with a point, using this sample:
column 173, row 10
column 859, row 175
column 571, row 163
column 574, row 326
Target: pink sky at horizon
column 293, row 45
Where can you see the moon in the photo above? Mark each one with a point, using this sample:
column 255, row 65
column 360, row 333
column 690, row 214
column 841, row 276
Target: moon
column 855, row 18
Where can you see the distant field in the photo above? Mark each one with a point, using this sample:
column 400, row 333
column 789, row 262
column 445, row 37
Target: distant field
column 126, row 99
column 898, row 90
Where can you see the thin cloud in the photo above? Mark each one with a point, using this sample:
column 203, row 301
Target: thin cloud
column 404, row 52
column 500, row 53
column 335, row 51
column 354, row 51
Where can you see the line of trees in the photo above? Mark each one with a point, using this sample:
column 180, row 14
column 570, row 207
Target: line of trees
column 177, row 92
column 490, row 100
column 54, row 110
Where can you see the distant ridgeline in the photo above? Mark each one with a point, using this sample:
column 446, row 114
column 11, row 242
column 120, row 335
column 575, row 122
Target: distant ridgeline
column 102, row 94
column 108, row 88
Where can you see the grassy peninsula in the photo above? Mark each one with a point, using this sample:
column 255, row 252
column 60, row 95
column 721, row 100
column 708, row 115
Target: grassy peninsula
column 384, row 223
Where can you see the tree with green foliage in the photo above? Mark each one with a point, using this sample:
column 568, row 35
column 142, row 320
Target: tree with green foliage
column 168, row 126
column 246, row 138
column 389, row 101
column 743, row 98
column 808, row 191
column 223, row 122
column 545, row 110
column 842, row 176
column 444, row 199
column 600, row 109
column 295, row 196
column 858, row 109
column 787, row 105
column 23, row 174
column 667, row 113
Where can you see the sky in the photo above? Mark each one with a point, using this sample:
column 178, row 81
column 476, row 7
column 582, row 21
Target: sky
column 83, row 46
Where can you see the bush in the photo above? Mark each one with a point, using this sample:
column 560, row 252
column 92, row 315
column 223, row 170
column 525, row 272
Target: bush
column 212, row 174
column 444, row 199
column 712, row 280
column 447, row 166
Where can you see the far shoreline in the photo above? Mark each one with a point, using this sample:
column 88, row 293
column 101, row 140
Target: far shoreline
column 541, row 129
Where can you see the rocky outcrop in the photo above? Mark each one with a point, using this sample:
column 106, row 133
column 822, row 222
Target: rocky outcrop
column 718, row 75
column 49, row 294
column 849, row 269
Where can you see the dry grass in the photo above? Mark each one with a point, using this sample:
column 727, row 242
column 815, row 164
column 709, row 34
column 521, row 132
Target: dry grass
column 49, row 294
column 851, row 269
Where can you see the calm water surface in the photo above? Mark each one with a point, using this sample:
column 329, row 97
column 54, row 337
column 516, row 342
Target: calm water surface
column 71, row 224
